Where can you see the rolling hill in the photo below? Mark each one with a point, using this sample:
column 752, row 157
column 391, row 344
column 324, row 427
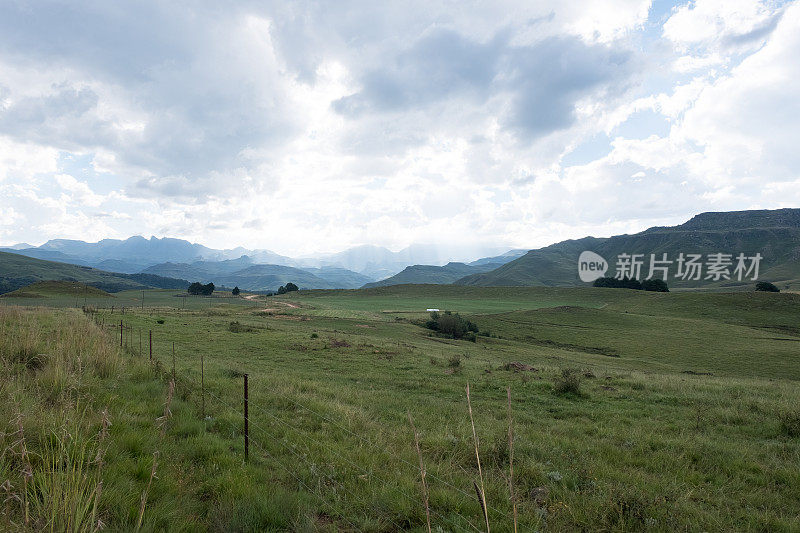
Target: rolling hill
column 17, row 271
column 774, row 234
column 45, row 289
column 446, row 274
column 243, row 273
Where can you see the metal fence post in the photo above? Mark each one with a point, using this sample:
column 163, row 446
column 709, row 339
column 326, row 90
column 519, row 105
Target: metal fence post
column 246, row 423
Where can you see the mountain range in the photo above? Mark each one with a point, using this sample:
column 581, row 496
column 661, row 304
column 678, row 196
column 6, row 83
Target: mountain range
column 260, row 270
column 774, row 234
column 136, row 262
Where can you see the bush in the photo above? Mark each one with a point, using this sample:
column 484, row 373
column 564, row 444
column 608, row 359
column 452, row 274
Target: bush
column 766, row 286
column 235, row 291
column 790, row 423
column 568, row 383
column 237, row 327
column 454, row 361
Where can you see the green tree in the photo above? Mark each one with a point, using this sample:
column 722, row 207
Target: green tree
column 195, row 288
column 235, row 291
column 655, row 285
column 766, row 286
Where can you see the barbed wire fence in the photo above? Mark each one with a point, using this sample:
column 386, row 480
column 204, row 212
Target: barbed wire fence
column 129, row 334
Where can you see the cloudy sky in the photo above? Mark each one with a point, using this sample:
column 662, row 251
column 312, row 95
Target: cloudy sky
column 307, row 127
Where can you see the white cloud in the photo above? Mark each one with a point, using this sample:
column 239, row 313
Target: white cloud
column 308, row 127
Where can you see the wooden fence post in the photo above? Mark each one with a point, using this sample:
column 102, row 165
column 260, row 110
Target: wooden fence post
column 151, row 345
column 120, row 333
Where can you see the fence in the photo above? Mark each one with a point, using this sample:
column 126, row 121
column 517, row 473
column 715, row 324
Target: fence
column 128, row 333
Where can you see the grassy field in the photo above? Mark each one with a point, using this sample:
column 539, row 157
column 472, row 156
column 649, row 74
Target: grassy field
column 677, row 411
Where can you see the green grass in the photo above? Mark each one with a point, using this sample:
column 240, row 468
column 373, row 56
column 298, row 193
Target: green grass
column 17, row 271
column 58, row 289
column 333, row 375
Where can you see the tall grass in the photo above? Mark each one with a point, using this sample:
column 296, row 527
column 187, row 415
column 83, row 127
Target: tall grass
column 65, row 485
column 52, row 460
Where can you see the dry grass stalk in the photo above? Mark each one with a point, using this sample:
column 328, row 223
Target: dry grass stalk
column 27, row 470
column 511, row 460
column 99, row 460
column 422, row 474
column 161, row 421
column 143, row 503
column 481, row 491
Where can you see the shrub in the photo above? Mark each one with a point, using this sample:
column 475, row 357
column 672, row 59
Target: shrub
column 766, row 286
column 568, row 383
column 790, row 423
column 237, row 327
column 454, row 361
column 236, row 291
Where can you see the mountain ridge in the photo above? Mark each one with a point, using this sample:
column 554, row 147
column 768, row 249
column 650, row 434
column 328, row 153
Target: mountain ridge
column 773, row 233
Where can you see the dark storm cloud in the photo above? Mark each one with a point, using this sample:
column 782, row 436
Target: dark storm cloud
column 543, row 80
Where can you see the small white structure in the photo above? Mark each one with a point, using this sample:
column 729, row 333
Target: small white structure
column 431, row 310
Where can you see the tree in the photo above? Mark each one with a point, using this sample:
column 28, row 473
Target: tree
column 235, row 291
column 614, row 283
column 766, row 286
column 281, row 290
column 452, row 325
column 655, row 285
column 195, row 288
column 198, row 288
column 291, row 287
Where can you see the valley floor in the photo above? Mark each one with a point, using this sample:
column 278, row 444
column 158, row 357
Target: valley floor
column 631, row 411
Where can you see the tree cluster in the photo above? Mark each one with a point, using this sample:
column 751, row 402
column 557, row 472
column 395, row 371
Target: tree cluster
column 198, row 288
column 766, row 286
column 452, row 325
column 289, row 287
column 654, row 285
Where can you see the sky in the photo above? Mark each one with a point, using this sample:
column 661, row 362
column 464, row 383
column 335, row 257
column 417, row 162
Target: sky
column 310, row 126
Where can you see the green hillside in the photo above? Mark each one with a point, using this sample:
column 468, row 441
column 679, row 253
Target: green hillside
column 47, row 289
column 433, row 274
column 244, row 274
column 17, row 271
column 773, row 234
column 270, row 277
